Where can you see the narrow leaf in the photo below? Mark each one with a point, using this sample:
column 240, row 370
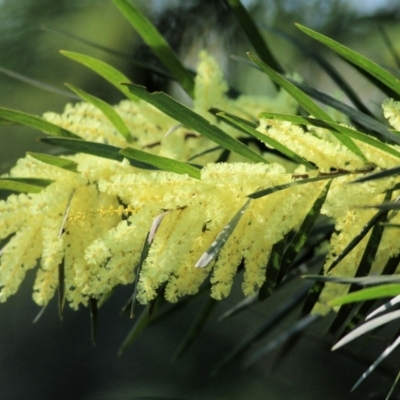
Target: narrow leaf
column 333, row 127
column 253, row 34
column 391, row 303
column 272, row 322
column 106, row 109
column 266, row 139
column 238, row 307
column 362, row 281
column 311, row 107
column 93, row 318
column 387, row 351
column 103, row 69
column 60, row 162
column 193, row 121
column 157, row 43
column 282, row 338
column 379, row 175
column 38, row 84
column 367, row 327
column 95, row 149
column 303, row 232
column 221, row 239
column 367, row 294
column 274, row 189
column 164, row 163
column 24, row 185
column 357, row 59
column 32, row 121
column 198, row 324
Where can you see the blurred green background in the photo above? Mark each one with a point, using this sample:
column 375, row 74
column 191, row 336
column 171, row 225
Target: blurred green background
column 56, row 360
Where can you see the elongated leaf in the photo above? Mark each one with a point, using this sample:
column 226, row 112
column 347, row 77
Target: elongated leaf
column 95, row 149
column 367, row 327
column 356, row 239
column 198, row 324
column 274, row 189
column 221, row 239
column 365, row 120
column 266, row 139
column 333, row 127
column 106, row 109
column 306, row 103
column 253, row 34
column 367, row 294
column 193, row 121
column 303, row 232
column 60, row 162
column 325, row 65
column 158, row 44
column 61, row 288
column 164, row 163
column 392, row 83
column 239, row 307
column 24, row 185
column 384, row 307
column 362, row 281
column 93, row 318
column 283, row 337
column 387, row 351
column 273, row 269
column 271, row 323
column 379, row 175
column 140, row 324
column 37, row 83
column 32, row 121
column 103, row 69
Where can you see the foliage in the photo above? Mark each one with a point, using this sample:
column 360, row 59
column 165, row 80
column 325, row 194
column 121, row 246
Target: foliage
column 130, row 206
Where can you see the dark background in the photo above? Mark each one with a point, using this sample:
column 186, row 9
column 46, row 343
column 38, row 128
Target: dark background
column 56, row 360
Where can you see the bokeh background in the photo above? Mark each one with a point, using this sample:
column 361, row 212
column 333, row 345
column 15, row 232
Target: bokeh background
column 56, row 360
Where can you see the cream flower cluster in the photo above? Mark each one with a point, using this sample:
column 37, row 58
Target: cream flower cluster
column 92, row 223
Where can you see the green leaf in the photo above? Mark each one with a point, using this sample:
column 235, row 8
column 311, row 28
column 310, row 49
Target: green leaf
column 326, row 66
column 93, row 318
column 221, row 239
column 272, row 322
column 158, row 44
column 37, row 83
column 61, row 288
column 274, row 189
column 24, row 185
column 253, row 34
column 266, row 139
column 366, row 121
column 303, row 232
column 95, row 149
column 379, row 175
column 60, row 162
column 164, row 163
column 376, row 292
column 32, row 121
column 106, row 109
column 193, row 121
column 198, row 324
column 362, row 281
column 105, row 70
column 333, row 127
column 298, row 327
column 356, row 59
column 311, row 107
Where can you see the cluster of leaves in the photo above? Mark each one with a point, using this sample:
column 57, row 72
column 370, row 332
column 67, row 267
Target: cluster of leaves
column 295, row 251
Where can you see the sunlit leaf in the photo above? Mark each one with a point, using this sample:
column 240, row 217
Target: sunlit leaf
column 193, row 121
column 157, row 43
column 24, row 185
column 60, row 162
column 105, row 70
column 391, row 82
column 32, row 121
column 164, row 163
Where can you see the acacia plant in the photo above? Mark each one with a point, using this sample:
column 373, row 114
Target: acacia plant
column 175, row 200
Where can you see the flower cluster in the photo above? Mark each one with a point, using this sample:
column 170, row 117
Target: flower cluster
column 93, row 221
